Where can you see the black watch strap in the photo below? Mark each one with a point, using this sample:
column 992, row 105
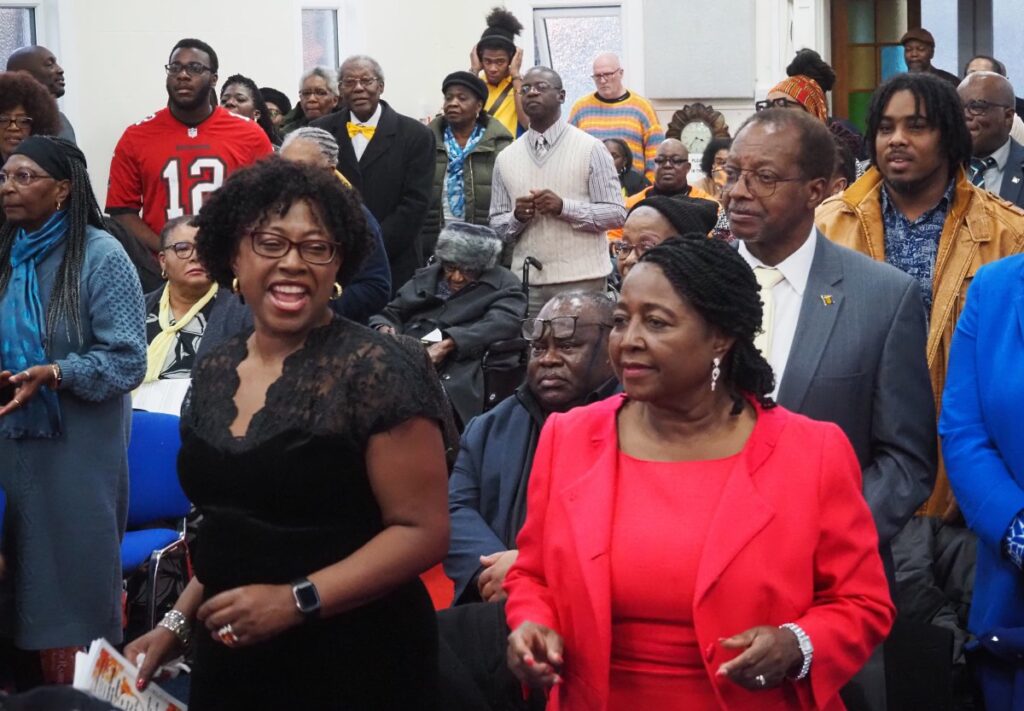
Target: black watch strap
column 307, row 599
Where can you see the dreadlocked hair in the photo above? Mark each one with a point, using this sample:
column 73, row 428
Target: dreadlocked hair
column 82, row 210
column 712, row 277
column 938, row 102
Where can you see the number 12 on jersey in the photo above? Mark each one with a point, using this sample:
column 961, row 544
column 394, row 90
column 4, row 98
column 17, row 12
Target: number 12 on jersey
column 209, row 171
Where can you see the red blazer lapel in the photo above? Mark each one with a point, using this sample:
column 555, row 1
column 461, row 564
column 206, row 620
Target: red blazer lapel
column 590, row 500
column 742, row 512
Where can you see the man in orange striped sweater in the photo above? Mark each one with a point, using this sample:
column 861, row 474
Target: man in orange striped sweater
column 614, row 112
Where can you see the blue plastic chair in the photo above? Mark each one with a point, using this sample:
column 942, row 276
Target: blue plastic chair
column 154, row 495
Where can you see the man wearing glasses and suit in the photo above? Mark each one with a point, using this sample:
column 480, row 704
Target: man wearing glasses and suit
column 844, row 334
column 388, row 158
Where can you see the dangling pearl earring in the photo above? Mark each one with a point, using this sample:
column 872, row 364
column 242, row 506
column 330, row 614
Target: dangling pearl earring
column 716, row 372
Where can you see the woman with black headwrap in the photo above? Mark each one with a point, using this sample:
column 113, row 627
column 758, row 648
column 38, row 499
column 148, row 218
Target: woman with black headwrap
column 72, row 346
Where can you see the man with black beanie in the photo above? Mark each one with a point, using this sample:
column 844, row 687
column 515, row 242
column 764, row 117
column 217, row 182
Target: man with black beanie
column 497, row 59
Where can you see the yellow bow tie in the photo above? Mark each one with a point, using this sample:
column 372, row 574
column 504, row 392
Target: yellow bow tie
column 355, row 129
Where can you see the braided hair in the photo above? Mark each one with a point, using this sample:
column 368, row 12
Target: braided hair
column 712, row 277
column 82, row 210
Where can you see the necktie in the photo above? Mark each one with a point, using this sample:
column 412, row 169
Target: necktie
column 542, row 147
column 978, row 168
column 354, row 129
column 767, row 278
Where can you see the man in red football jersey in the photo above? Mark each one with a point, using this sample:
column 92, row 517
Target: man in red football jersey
column 168, row 162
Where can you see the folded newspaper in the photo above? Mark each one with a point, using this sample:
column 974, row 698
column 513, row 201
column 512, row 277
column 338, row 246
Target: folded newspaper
column 107, row 675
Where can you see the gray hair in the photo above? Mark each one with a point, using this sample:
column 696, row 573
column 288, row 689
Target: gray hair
column 600, row 301
column 363, row 59
column 326, row 73
column 323, row 140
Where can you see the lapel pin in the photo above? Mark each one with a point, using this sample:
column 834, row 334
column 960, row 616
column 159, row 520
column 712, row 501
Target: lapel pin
column 826, row 299
column 1015, row 180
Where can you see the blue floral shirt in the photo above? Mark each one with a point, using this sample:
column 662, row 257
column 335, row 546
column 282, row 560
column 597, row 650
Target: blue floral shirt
column 1013, row 542
column 913, row 246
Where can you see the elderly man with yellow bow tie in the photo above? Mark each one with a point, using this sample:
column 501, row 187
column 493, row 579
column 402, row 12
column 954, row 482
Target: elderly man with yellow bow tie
column 388, row 158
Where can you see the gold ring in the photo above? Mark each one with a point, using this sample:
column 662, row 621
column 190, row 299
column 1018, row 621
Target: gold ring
column 227, row 635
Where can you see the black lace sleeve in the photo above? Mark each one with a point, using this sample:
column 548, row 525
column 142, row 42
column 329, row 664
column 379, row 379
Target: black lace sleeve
column 387, row 385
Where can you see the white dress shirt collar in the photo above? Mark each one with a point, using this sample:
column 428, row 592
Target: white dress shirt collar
column 796, row 268
column 551, row 135
column 1002, row 155
column 372, row 121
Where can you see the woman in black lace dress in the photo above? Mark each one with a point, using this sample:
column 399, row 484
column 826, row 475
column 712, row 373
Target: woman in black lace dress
column 311, row 446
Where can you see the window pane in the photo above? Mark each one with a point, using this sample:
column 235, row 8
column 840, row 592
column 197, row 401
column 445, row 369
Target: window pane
column 319, row 39
column 860, row 102
column 862, row 68
column 860, row 18
column 17, row 29
column 892, row 61
column 572, row 43
column 892, row 20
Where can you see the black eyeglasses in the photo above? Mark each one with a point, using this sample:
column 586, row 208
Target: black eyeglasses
column 274, row 246
column 779, row 103
column 761, row 183
column 23, row 177
column 977, row 107
column 562, row 327
column 182, row 250
column 674, row 160
column 365, row 82
column 605, row 76
column 540, row 87
column 623, row 249
column 193, row 69
column 18, row 121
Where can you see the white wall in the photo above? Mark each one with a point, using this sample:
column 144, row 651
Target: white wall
column 113, row 51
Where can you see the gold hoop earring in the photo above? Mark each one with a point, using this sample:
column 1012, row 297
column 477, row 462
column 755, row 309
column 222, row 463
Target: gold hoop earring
column 337, row 291
column 58, row 203
column 234, row 285
column 163, row 274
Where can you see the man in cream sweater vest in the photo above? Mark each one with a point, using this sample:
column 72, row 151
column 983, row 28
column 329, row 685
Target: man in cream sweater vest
column 554, row 195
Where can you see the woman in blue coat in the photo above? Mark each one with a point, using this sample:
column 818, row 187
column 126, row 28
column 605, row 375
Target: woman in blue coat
column 72, row 346
column 983, row 446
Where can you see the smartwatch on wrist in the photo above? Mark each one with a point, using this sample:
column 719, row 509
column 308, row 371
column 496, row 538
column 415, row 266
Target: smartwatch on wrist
column 307, row 599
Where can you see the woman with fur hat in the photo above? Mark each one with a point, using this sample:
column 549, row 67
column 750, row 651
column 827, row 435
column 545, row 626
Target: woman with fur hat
column 458, row 306
column 467, row 142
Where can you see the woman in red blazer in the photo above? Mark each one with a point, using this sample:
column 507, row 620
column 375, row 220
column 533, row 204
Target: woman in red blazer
column 688, row 544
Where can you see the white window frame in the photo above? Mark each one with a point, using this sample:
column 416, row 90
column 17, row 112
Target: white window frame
column 40, row 19
column 591, row 9
column 313, row 5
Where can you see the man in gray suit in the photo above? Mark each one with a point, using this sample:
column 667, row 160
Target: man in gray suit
column 844, row 334
column 997, row 161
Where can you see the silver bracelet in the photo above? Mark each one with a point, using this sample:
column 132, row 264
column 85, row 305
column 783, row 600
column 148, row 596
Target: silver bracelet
column 806, row 648
column 176, row 622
